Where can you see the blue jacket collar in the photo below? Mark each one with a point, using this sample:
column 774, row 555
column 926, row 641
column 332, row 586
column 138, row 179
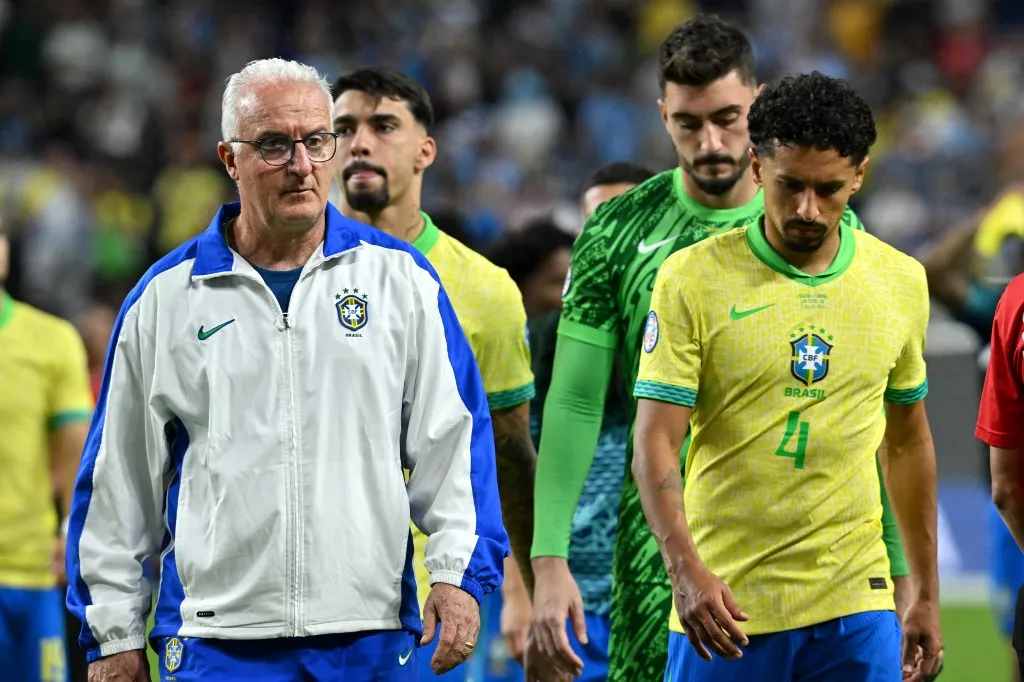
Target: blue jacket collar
column 214, row 256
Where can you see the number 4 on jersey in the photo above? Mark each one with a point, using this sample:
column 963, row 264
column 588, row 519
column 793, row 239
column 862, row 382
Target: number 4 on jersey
column 795, row 430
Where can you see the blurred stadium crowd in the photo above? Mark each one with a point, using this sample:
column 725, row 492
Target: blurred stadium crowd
column 110, row 110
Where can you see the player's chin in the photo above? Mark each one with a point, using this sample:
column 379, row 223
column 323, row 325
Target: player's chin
column 804, row 243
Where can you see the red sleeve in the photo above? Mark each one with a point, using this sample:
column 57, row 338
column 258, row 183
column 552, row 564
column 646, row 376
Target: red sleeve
column 1001, row 416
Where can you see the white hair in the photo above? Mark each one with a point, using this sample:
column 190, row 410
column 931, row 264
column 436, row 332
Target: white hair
column 239, row 95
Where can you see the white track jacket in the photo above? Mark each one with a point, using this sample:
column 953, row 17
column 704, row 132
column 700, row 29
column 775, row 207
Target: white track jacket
column 284, row 439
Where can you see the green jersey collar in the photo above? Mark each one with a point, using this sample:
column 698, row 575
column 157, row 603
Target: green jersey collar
column 6, row 308
column 428, row 237
column 723, row 215
column 765, row 253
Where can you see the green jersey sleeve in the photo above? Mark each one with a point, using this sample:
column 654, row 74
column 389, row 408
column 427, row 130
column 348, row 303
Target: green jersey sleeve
column 573, row 412
column 589, row 298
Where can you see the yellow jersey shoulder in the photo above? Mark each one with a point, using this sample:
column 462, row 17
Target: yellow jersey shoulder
column 463, row 271
column 692, row 263
column 47, row 333
column 889, row 261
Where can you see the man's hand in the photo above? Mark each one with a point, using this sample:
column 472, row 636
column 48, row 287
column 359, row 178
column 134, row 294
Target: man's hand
column 458, row 614
column 922, row 642
column 128, row 666
column 902, row 594
column 539, row 668
column 556, row 599
column 516, row 616
column 709, row 613
column 57, row 560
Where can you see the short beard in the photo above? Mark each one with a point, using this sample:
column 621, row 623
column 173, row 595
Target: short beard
column 369, row 202
column 716, row 186
column 803, row 247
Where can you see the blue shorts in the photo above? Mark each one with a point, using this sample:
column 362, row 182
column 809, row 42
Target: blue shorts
column 857, row 648
column 360, row 657
column 1006, row 570
column 32, row 635
column 595, row 654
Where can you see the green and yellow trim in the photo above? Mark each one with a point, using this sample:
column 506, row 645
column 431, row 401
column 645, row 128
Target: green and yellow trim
column 766, row 253
column 906, row 396
column 428, row 237
column 666, row 393
column 70, row 417
column 503, row 400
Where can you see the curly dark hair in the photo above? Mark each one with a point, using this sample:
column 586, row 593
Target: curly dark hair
column 812, row 110
column 703, row 50
column 381, row 81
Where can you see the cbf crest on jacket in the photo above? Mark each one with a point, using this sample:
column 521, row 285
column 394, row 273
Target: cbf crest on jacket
column 283, row 438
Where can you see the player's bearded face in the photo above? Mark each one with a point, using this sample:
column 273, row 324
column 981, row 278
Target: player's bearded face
column 708, row 126
column 806, row 192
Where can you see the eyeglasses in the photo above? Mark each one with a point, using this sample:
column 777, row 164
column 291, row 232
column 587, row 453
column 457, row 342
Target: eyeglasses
column 279, row 150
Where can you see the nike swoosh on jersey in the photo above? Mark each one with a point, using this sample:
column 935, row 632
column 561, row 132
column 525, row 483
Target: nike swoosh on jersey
column 740, row 314
column 647, row 248
column 404, row 658
column 205, row 334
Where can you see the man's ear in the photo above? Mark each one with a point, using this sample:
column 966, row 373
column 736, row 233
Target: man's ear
column 227, row 157
column 426, row 154
column 755, row 167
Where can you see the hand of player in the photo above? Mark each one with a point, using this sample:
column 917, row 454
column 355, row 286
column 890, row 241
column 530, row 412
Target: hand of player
column 458, row 614
column 57, row 560
column 556, row 599
column 922, row 642
column 127, row 666
column 539, row 668
column 709, row 613
column 516, row 616
column 902, row 594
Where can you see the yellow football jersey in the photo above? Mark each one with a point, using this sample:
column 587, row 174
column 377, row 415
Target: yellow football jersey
column 490, row 309
column 787, row 374
column 45, row 384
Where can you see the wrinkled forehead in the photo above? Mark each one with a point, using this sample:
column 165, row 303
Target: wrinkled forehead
column 287, row 108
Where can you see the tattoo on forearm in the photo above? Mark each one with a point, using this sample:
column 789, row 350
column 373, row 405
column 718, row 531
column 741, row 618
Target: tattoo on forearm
column 517, row 464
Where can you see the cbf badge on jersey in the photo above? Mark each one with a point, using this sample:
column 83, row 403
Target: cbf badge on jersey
column 811, row 353
column 651, row 332
column 353, row 309
column 174, row 652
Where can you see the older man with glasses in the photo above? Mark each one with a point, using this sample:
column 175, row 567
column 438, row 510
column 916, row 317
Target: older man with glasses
column 282, row 369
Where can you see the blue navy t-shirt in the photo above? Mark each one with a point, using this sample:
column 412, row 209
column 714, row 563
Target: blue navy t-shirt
column 281, row 282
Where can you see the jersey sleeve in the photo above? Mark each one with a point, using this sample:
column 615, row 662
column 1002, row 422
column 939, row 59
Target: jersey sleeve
column 588, row 299
column 1001, row 415
column 671, row 362
column 908, row 379
column 70, row 394
column 502, row 350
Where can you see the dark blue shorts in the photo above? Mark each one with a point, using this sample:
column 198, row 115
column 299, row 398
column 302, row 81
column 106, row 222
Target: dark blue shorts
column 32, row 635
column 861, row 648
column 388, row 656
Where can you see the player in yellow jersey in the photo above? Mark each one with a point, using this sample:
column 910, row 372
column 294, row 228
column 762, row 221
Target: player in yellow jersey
column 45, row 405
column 779, row 344
column 382, row 118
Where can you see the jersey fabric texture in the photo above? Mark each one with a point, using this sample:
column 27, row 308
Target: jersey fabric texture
column 787, row 375
column 285, row 437
column 44, row 384
column 490, row 310
column 857, row 648
column 614, row 264
column 592, row 542
column 389, row 655
column 1001, row 415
